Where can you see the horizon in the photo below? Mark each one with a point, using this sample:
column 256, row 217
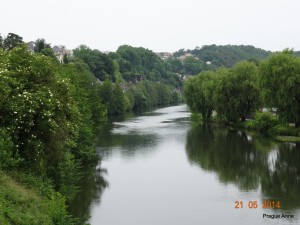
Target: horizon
column 185, row 49
column 161, row 26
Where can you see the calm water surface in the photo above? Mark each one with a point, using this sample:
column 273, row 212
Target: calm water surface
column 161, row 170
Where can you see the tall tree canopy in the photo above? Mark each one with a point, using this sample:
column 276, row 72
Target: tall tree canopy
column 198, row 93
column 12, row 40
column 1, row 41
column 280, row 83
column 237, row 92
column 41, row 44
column 145, row 63
column 99, row 63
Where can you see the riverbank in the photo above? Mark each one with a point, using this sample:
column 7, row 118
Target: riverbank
column 28, row 200
column 267, row 123
column 263, row 122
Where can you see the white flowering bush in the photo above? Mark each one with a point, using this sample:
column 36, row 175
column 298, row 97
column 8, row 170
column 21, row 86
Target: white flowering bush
column 36, row 107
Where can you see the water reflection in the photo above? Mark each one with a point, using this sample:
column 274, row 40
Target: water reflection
column 249, row 161
column 91, row 186
column 139, row 135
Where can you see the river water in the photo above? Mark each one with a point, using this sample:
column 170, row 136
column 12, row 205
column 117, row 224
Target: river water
column 162, row 170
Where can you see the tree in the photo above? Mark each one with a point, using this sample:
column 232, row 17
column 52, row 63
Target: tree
column 37, row 108
column 175, row 64
column 50, row 53
column 11, row 41
column 141, row 61
column 279, row 80
column 106, row 93
column 118, row 100
column 1, row 41
column 193, row 66
column 237, row 92
column 41, row 44
column 66, row 59
column 198, row 92
column 99, row 63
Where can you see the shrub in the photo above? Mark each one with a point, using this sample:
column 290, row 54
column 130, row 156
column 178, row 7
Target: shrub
column 197, row 118
column 7, row 159
column 263, row 122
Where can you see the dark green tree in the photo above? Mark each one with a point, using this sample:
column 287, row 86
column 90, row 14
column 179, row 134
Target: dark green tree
column 279, row 80
column 66, row 59
column 193, row 66
column 118, row 100
column 198, row 92
column 106, row 93
column 12, row 40
column 49, row 52
column 237, row 92
column 37, row 109
column 100, row 64
column 41, row 44
column 1, row 41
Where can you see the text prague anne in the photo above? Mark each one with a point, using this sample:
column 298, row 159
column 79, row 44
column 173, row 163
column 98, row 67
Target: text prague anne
column 278, row 216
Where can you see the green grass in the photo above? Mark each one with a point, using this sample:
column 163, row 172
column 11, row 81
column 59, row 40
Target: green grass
column 19, row 205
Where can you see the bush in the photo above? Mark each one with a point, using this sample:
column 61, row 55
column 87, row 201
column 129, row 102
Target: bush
column 57, row 210
column 264, row 122
column 7, row 159
column 197, row 118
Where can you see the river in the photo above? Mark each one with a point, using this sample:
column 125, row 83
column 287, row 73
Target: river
column 162, row 170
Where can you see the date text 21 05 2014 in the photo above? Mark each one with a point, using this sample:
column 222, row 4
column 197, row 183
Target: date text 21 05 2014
column 266, row 204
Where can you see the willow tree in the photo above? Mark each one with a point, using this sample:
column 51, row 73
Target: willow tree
column 198, row 92
column 237, row 92
column 280, row 83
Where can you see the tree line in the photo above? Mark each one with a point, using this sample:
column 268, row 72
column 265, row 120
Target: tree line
column 51, row 110
column 247, row 87
column 212, row 57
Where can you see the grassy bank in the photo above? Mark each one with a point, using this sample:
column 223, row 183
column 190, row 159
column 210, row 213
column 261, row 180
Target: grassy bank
column 263, row 122
column 266, row 122
column 34, row 204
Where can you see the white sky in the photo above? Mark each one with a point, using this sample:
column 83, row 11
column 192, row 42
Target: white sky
column 160, row 25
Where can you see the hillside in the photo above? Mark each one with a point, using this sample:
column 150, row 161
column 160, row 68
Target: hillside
column 211, row 57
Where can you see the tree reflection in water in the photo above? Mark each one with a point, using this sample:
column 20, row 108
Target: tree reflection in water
column 90, row 188
column 248, row 161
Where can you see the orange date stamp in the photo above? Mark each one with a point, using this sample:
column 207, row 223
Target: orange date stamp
column 265, row 204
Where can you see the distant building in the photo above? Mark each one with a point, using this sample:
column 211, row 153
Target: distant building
column 60, row 51
column 183, row 57
column 164, row 55
column 106, row 52
column 31, row 45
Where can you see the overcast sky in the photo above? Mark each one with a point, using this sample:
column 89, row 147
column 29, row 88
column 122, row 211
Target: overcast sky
column 159, row 25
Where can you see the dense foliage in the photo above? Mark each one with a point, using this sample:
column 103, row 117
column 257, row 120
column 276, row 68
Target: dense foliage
column 12, row 40
column 237, row 94
column 232, row 93
column 280, row 79
column 246, row 87
column 51, row 111
column 99, row 63
column 48, row 116
column 141, row 63
column 224, row 55
column 198, row 92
